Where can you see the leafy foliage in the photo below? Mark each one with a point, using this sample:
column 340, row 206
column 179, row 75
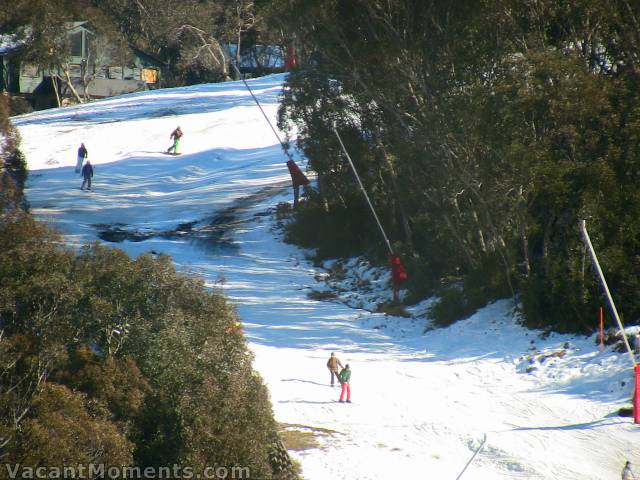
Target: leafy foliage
column 483, row 133
column 122, row 361
column 452, row 304
column 13, row 168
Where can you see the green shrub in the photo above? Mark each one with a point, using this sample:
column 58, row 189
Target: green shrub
column 146, row 361
column 60, row 430
column 13, row 167
column 550, row 302
column 339, row 233
column 452, row 305
column 19, row 105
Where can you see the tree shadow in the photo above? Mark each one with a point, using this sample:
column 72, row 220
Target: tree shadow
column 304, row 381
column 308, row 401
column 603, row 422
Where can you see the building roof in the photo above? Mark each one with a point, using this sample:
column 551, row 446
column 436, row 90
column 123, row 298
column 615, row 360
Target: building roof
column 147, row 60
column 10, row 42
column 79, row 25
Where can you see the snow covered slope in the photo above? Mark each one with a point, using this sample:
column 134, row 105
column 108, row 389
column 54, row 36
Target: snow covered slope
column 421, row 402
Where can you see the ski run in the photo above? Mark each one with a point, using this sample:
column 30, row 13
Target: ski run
column 422, row 401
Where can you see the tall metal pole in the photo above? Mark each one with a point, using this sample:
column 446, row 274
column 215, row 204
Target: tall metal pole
column 596, row 264
column 262, row 110
column 363, row 190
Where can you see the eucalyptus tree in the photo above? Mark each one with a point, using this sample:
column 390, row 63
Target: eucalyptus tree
column 484, row 130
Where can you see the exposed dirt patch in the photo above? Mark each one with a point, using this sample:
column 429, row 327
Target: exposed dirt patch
column 214, row 234
column 322, row 296
column 303, row 437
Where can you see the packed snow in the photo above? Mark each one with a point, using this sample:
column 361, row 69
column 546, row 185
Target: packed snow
column 422, row 400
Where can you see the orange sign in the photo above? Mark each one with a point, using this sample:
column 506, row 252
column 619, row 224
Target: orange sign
column 149, row 75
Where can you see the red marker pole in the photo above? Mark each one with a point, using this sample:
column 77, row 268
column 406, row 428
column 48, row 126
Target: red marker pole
column 601, row 328
column 636, row 397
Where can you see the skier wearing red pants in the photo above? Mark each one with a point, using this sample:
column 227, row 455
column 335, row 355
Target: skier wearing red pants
column 345, row 377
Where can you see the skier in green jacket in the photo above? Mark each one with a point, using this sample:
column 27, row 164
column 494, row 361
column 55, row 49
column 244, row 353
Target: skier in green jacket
column 345, row 378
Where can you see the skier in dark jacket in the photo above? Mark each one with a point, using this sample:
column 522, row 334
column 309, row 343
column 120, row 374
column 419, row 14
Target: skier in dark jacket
column 627, row 474
column 176, row 135
column 87, row 173
column 82, row 155
column 345, row 378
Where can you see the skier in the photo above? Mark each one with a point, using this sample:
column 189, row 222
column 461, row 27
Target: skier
column 627, row 474
column 175, row 135
column 82, row 155
column 332, row 364
column 87, row 173
column 345, row 377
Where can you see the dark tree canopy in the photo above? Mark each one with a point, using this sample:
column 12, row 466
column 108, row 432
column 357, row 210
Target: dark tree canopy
column 483, row 131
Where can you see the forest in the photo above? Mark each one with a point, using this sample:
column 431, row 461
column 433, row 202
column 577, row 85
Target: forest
column 483, row 133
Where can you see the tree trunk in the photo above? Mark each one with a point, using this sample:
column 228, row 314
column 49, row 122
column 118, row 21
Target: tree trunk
column 525, row 249
column 70, row 85
column 239, row 35
column 86, row 79
column 546, row 239
column 394, row 182
column 54, row 82
column 321, row 191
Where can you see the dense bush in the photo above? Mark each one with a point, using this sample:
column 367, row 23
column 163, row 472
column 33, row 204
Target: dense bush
column 13, row 168
column 19, row 105
column 340, row 233
column 123, row 362
column 452, row 305
column 483, row 134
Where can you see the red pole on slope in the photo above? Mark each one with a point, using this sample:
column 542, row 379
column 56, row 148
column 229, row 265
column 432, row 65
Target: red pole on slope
column 636, row 397
column 601, row 329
